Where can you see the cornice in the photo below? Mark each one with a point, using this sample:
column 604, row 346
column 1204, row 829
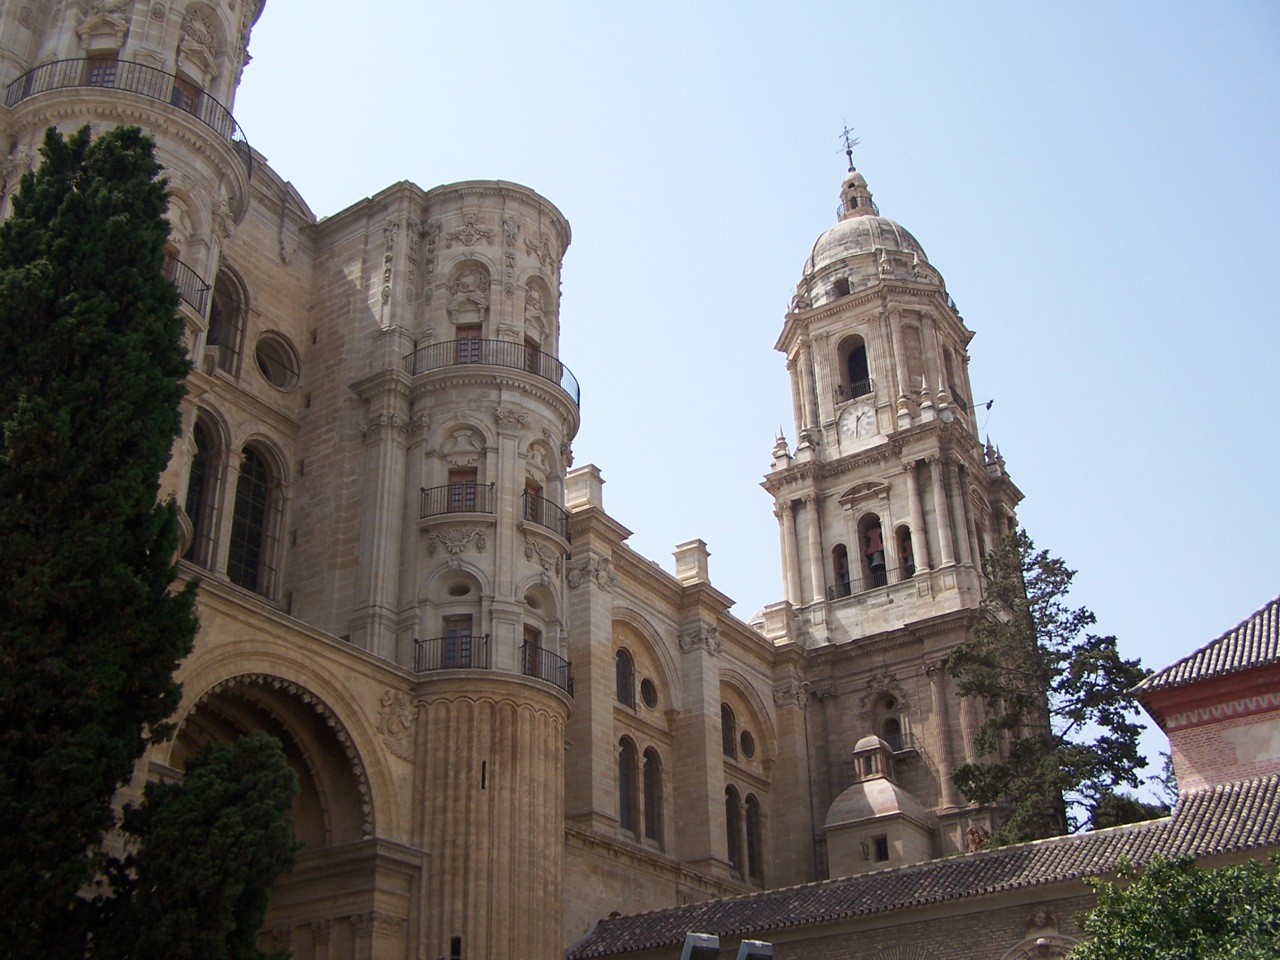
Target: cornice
column 505, row 190
column 165, row 122
column 480, row 375
column 390, row 380
column 594, row 521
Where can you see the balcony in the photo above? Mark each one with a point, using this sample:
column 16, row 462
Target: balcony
column 451, row 653
column 545, row 665
column 493, row 353
column 872, row 581
column 859, row 388
column 463, row 497
column 103, row 73
column 192, row 287
column 544, row 513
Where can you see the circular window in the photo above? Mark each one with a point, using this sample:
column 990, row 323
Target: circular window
column 890, row 703
column 458, row 589
column 748, row 743
column 277, row 361
column 648, row 693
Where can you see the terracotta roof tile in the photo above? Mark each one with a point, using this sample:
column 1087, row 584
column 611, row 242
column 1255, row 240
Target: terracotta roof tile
column 1232, row 817
column 1254, row 642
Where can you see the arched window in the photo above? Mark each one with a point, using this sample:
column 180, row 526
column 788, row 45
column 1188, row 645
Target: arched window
column 250, row 559
column 906, row 553
column 840, row 564
column 226, row 321
column 733, row 826
column 202, row 494
column 948, row 365
column 624, row 675
column 652, row 795
column 891, row 733
column 728, row 731
column 755, row 846
column 871, row 547
column 855, row 369
column 627, row 805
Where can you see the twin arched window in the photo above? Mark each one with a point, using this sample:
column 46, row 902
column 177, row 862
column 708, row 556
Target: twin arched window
column 734, row 808
column 648, row 780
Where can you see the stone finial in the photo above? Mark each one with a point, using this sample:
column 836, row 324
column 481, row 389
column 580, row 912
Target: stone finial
column 584, row 487
column 691, row 562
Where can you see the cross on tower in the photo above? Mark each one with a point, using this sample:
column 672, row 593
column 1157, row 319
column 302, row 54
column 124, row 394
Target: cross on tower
column 850, row 141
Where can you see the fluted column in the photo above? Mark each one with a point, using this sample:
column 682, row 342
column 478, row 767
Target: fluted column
column 946, row 764
column 899, row 352
column 957, row 511
column 785, row 512
column 806, row 385
column 946, row 545
column 919, row 539
column 817, row 575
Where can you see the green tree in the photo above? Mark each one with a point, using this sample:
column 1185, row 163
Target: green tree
column 1112, row 808
column 91, row 364
column 1060, row 730
column 1176, row 911
column 211, row 848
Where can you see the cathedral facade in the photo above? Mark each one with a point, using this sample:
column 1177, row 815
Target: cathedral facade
column 506, row 723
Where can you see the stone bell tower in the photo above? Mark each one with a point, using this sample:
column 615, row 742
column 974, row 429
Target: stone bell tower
column 887, row 503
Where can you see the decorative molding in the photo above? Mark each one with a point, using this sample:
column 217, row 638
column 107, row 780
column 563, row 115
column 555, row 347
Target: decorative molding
column 791, row 693
column 548, row 560
column 701, row 638
column 455, row 541
column 1222, row 711
column 877, row 685
column 377, row 924
column 326, row 713
column 503, row 415
column 600, row 572
column 542, row 251
column 470, row 231
column 395, row 723
column 377, row 427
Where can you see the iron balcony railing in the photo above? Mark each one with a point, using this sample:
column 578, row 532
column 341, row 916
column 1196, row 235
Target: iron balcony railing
column 133, row 78
column 191, row 286
column 544, row 513
column 859, row 388
column 873, row 581
column 545, row 665
column 466, row 497
column 451, row 653
column 494, row 353
column 901, row 742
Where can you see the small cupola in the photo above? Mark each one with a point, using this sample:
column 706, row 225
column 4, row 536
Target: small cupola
column 855, row 198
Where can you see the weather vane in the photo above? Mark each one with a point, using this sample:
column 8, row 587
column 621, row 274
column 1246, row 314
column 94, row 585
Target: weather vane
column 850, row 141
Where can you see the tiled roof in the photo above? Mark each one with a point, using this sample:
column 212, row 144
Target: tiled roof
column 1252, row 643
column 1232, row 817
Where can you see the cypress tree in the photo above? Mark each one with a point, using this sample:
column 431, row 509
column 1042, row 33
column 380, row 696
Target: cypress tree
column 91, row 631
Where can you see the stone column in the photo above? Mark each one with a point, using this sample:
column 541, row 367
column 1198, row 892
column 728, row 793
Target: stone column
column 899, row 352
column 946, row 545
column 817, row 568
column 785, row 512
column 919, row 539
column 374, row 620
column 957, row 511
column 806, row 385
column 946, row 764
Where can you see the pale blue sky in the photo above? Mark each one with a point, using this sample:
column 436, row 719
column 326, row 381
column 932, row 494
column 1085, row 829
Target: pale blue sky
column 1096, row 181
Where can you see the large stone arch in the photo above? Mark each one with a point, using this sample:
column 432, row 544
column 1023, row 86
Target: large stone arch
column 335, row 803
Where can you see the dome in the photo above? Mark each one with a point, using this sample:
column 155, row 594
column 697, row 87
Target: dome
column 861, row 235
column 871, row 800
column 871, row 742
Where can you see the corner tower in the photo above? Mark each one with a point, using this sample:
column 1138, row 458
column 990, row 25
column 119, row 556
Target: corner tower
column 886, row 506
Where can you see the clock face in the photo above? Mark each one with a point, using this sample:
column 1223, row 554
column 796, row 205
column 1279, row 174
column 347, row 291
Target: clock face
column 858, row 421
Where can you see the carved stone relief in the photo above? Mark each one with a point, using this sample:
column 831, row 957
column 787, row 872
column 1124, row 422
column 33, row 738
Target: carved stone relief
column 455, row 541
column 701, row 638
column 469, row 296
column 547, row 559
column 463, row 448
column 590, row 570
column 469, row 233
column 395, row 723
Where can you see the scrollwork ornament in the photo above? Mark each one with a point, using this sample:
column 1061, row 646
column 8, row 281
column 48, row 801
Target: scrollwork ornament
column 791, row 693
column 455, row 541
column 592, row 570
